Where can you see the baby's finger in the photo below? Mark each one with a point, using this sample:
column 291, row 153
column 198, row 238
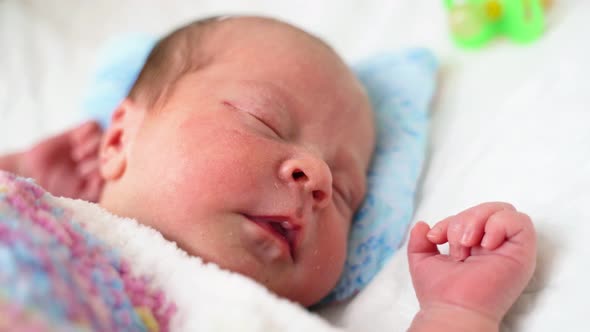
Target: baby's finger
column 507, row 225
column 466, row 229
column 92, row 189
column 87, row 167
column 419, row 245
column 88, row 148
column 88, row 128
column 438, row 233
column 454, row 233
column 473, row 232
column 443, row 231
column 473, row 221
column 61, row 181
column 459, row 252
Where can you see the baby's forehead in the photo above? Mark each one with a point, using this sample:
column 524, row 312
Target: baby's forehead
column 262, row 32
column 329, row 93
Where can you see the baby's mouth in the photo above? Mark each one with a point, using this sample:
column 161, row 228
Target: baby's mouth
column 281, row 227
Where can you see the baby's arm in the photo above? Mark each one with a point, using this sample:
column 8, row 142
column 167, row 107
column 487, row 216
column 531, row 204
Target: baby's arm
column 491, row 258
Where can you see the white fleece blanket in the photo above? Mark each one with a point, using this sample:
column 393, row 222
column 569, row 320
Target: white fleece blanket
column 207, row 297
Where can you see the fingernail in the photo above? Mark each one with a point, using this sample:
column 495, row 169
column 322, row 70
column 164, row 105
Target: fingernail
column 434, row 232
column 466, row 236
column 485, row 241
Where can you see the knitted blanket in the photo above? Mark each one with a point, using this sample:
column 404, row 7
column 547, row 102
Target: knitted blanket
column 69, row 265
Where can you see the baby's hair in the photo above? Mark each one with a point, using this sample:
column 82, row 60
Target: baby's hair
column 179, row 53
column 173, row 56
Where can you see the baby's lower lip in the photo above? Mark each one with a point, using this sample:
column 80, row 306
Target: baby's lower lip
column 265, row 225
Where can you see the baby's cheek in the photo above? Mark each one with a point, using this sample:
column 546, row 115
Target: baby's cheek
column 223, row 165
column 330, row 253
column 234, row 158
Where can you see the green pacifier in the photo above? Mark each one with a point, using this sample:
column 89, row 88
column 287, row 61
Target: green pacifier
column 475, row 22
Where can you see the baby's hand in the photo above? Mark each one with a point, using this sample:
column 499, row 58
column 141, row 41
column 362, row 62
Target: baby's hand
column 67, row 164
column 492, row 250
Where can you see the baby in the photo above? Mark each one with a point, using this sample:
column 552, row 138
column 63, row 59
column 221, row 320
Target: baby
column 247, row 142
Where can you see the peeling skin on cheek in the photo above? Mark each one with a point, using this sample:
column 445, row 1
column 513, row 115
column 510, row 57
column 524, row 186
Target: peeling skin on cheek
column 228, row 104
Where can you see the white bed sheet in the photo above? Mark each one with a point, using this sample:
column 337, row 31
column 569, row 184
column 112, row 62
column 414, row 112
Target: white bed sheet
column 509, row 122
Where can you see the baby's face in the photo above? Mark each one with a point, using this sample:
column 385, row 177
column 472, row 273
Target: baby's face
column 256, row 162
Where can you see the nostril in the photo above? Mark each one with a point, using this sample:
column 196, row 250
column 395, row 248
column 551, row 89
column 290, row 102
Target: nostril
column 298, row 175
column 318, row 195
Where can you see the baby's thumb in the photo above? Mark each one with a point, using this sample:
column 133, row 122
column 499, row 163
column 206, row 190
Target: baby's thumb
column 419, row 246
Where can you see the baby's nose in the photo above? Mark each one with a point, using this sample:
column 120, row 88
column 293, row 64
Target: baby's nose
column 311, row 174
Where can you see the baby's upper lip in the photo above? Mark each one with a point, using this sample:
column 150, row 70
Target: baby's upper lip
column 284, row 227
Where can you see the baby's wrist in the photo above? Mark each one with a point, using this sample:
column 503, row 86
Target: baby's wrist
column 452, row 318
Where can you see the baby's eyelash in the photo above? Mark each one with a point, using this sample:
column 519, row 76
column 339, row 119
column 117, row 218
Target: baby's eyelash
column 276, row 132
column 266, row 124
column 344, row 197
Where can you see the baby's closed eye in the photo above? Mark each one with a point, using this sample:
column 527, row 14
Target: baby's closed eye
column 260, row 118
column 266, row 123
column 339, row 193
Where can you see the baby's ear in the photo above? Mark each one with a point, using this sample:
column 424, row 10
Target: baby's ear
column 114, row 148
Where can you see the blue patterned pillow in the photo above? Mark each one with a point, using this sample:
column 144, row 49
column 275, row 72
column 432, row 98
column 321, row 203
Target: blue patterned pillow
column 400, row 86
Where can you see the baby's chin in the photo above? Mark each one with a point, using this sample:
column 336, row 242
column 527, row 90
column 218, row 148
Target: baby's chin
column 303, row 297
column 283, row 283
column 306, row 293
